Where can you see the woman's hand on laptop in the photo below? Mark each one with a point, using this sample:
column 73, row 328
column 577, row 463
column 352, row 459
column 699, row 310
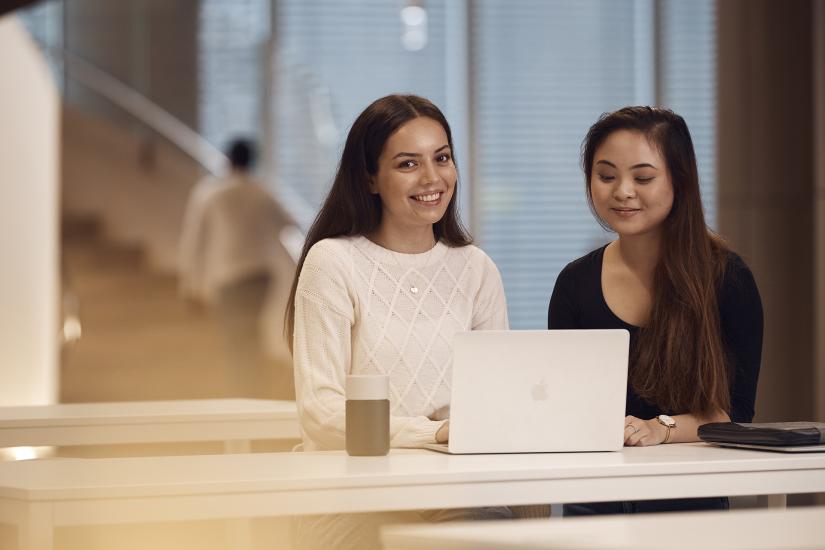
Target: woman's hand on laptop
column 443, row 433
column 641, row 433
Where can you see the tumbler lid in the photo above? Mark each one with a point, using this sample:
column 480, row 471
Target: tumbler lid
column 368, row 386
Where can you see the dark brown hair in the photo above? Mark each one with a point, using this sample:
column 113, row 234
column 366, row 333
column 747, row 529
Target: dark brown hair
column 679, row 361
column 350, row 207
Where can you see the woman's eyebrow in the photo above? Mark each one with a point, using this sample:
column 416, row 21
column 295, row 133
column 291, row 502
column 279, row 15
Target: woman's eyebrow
column 640, row 165
column 403, row 154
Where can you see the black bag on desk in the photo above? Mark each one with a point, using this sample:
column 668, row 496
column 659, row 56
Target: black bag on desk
column 787, row 434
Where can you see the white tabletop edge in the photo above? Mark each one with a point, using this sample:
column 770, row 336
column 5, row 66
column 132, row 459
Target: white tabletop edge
column 139, row 412
column 284, row 472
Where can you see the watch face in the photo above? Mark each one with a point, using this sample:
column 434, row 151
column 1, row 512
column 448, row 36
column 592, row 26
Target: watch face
column 666, row 420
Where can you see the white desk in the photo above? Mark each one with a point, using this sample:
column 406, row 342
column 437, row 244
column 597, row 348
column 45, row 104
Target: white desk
column 234, row 421
column 41, row 495
column 790, row 529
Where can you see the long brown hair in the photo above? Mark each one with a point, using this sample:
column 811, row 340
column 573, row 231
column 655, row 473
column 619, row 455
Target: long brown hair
column 350, row 207
column 679, row 361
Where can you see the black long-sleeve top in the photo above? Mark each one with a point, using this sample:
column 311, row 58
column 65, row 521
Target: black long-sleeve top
column 578, row 303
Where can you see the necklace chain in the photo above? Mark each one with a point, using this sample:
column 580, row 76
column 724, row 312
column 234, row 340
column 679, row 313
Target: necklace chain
column 395, row 255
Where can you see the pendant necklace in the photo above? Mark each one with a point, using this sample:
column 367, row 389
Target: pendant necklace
column 413, row 287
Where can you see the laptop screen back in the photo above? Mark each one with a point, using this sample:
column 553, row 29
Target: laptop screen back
column 538, row 391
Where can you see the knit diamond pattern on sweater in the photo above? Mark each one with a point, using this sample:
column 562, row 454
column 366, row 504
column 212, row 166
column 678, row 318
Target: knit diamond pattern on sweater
column 363, row 309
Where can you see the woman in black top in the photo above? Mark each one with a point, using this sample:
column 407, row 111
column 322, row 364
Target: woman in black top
column 690, row 304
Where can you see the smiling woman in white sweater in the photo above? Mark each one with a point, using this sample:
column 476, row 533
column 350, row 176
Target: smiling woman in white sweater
column 388, row 275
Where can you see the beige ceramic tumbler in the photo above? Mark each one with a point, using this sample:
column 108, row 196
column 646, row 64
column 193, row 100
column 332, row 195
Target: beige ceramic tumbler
column 368, row 415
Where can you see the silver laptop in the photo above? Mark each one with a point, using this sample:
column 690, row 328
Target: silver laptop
column 538, row 391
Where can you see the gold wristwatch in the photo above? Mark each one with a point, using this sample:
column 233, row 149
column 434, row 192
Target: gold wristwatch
column 668, row 423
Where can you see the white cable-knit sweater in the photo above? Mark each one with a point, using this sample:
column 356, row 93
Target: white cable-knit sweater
column 363, row 309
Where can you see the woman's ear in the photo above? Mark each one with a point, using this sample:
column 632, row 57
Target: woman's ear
column 373, row 188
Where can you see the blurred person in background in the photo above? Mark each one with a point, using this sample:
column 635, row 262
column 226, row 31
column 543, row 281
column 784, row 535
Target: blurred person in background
column 228, row 253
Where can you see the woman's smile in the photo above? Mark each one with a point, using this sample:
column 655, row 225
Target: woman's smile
column 428, row 199
column 625, row 212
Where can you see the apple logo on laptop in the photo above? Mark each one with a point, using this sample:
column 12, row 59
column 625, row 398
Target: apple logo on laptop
column 539, row 391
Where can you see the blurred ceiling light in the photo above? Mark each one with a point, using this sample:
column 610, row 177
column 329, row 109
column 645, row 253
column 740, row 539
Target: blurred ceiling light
column 18, row 453
column 414, row 17
column 414, row 40
column 26, row 453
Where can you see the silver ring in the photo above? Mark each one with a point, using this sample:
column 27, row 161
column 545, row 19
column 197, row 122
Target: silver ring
column 635, row 429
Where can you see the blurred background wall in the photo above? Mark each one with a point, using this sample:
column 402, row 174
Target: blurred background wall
column 770, row 186
column 818, row 22
column 150, row 45
column 29, row 210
